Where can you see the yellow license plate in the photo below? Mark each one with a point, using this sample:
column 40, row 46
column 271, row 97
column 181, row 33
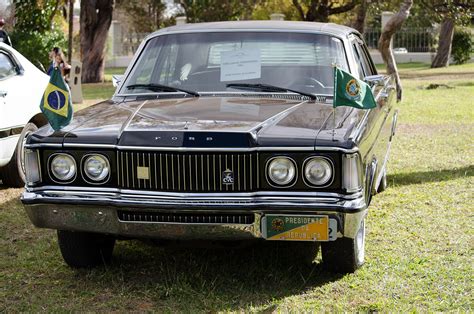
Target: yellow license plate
column 295, row 228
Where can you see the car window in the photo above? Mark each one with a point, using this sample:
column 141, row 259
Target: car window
column 207, row 62
column 358, row 63
column 371, row 70
column 7, row 67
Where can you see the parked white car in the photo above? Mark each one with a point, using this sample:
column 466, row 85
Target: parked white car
column 21, row 88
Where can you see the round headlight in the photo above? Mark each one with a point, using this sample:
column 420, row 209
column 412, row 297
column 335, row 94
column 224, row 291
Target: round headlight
column 318, row 171
column 63, row 167
column 281, row 170
column 97, row 167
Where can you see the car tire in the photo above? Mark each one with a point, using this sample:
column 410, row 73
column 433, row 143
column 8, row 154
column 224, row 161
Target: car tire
column 83, row 249
column 345, row 255
column 383, row 183
column 13, row 174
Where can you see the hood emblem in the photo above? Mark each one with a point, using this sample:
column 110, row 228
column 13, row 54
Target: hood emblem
column 227, row 177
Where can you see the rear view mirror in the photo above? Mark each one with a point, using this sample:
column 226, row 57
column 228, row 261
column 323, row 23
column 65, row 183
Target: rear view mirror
column 375, row 80
column 116, row 80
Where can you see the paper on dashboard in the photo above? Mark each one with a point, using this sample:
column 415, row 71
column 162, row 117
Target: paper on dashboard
column 238, row 65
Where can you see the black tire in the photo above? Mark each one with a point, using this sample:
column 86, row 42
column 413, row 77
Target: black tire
column 13, row 174
column 345, row 255
column 82, row 249
column 383, row 183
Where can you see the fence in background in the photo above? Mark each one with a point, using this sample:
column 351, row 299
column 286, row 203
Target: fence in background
column 420, row 43
column 413, row 39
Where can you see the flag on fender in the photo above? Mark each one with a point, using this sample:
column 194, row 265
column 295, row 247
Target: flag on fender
column 352, row 92
column 56, row 102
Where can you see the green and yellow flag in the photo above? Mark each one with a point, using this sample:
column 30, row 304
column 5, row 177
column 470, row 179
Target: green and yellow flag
column 56, row 102
column 352, row 92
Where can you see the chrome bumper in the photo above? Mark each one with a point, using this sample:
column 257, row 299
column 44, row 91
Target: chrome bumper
column 97, row 211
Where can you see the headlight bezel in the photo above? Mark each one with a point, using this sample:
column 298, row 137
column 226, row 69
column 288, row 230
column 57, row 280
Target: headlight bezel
column 274, row 184
column 51, row 174
column 87, row 178
column 309, row 183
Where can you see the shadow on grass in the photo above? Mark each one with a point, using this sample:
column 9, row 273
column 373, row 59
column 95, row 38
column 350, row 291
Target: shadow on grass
column 210, row 279
column 430, row 176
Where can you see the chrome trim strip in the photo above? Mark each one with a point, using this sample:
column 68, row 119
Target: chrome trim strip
column 130, row 118
column 114, row 191
column 45, row 145
column 200, row 149
column 111, row 146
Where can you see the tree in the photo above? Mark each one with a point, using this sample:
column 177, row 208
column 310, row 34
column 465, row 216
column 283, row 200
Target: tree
column 449, row 13
column 95, row 20
column 320, row 10
column 217, row 10
column 143, row 16
column 38, row 29
column 359, row 22
column 385, row 42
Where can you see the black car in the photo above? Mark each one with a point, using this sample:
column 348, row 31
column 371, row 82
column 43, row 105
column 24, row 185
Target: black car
column 220, row 131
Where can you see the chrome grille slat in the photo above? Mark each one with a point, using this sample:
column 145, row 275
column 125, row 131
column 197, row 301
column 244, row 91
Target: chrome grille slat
column 187, row 218
column 188, row 172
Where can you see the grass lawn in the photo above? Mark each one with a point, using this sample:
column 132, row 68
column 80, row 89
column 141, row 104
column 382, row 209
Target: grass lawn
column 419, row 245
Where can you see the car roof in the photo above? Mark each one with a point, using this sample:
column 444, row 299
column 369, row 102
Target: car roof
column 292, row 26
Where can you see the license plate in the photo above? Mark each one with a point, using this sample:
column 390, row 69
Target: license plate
column 295, row 228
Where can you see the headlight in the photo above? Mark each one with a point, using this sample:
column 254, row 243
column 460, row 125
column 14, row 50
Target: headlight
column 63, row 167
column 97, row 167
column 281, row 170
column 318, row 171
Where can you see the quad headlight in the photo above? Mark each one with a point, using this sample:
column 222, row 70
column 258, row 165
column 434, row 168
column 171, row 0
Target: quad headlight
column 96, row 167
column 281, row 170
column 63, row 167
column 318, row 171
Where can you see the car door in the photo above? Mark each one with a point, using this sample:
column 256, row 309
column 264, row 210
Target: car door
column 380, row 118
column 8, row 79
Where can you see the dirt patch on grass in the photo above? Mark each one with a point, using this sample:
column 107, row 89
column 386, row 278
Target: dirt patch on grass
column 7, row 194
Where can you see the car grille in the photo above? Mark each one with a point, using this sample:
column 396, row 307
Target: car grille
column 129, row 216
column 188, row 172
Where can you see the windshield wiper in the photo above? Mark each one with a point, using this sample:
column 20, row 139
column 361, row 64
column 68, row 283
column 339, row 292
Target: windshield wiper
column 268, row 88
column 162, row 88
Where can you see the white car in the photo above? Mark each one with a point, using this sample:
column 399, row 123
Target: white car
column 21, row 88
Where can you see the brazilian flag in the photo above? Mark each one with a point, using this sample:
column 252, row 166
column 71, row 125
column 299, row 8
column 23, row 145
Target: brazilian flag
column 352, row 92
column 56, row 102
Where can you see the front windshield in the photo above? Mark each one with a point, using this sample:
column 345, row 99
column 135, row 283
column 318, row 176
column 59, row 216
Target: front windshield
column 210, row 62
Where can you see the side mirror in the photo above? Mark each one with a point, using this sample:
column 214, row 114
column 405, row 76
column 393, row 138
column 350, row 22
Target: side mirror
column 375, row 80
column 116, row 80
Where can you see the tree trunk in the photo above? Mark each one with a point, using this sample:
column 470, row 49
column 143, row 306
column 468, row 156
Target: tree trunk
column 359, row 21
column 385, row 42
column 96, row 17
column 445, row 40
column 70, row 30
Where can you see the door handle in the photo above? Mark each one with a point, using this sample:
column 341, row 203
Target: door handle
column 3, row 93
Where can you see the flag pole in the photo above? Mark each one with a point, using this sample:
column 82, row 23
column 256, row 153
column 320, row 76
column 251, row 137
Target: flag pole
column 334, row 102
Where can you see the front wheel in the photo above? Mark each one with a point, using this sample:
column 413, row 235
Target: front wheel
column 345, row 255
column 83, row 249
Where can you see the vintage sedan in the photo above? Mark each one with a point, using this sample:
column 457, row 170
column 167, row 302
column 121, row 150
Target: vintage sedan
column 220, row 131
column 21, row 88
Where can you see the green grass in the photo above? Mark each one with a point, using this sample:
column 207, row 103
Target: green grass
column 419, row 242
column 419, row 70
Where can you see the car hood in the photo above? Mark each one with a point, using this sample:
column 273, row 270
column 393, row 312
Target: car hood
column 211, row 122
